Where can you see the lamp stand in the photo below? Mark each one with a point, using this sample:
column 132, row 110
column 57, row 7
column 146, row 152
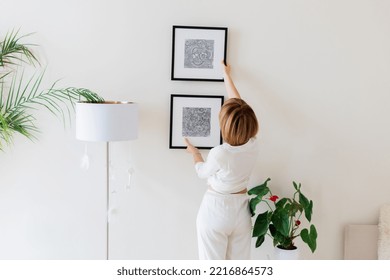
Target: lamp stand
column 108, row 199
column 105, row 122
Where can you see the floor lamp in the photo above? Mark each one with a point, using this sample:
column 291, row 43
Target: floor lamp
column 106, row 122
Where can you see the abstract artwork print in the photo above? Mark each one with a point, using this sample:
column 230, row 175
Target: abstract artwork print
column 196, row 122
column 195, row 117
column 199, row 53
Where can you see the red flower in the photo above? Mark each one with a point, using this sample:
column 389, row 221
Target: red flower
column 274, row 198
column 297, row 222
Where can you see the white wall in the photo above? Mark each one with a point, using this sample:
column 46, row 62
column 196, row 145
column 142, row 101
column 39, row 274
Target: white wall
column 316, row 73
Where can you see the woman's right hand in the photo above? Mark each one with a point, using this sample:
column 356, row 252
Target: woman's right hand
column 230, row 87
column 226, row 68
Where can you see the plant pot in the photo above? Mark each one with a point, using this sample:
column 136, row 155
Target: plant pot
column 284, row 254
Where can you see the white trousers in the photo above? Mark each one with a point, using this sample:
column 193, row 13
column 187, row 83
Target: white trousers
column 224, row 227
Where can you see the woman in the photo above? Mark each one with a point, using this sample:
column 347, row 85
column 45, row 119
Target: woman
column 224, row 222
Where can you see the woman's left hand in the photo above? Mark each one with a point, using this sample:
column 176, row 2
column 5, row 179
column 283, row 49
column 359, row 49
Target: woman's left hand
column 194, row 151
column 191, row 148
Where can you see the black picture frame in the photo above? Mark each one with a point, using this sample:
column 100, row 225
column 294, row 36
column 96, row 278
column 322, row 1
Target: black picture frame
column 195, row 117
column 197, row 52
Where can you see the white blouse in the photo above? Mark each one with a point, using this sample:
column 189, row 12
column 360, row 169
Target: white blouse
column 228, row 168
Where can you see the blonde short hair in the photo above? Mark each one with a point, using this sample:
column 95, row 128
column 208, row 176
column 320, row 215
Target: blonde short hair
column 238, row 122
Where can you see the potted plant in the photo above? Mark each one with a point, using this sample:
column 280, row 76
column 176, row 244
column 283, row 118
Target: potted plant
column 18, row 98
column 283, row 219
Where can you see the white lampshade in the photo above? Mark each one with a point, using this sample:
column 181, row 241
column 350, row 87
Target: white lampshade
column 108, row 121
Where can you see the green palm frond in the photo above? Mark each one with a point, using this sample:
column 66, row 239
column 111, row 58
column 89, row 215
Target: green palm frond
column 88, row 95
column 2, row 76
column 20, row 98
column 12, row 51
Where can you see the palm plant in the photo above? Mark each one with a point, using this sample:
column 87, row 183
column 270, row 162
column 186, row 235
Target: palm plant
column 19, row 98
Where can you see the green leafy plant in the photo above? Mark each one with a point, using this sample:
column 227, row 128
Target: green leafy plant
column 12, row 51
column 282, row 221
column 19, row 98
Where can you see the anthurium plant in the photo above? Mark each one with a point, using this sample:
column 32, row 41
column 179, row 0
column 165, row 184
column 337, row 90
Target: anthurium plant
column 283, row 219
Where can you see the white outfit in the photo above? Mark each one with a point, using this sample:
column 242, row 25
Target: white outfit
column 224, row 222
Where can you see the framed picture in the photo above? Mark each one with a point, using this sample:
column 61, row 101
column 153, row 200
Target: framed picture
column 195, row 117
column 197, row 53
